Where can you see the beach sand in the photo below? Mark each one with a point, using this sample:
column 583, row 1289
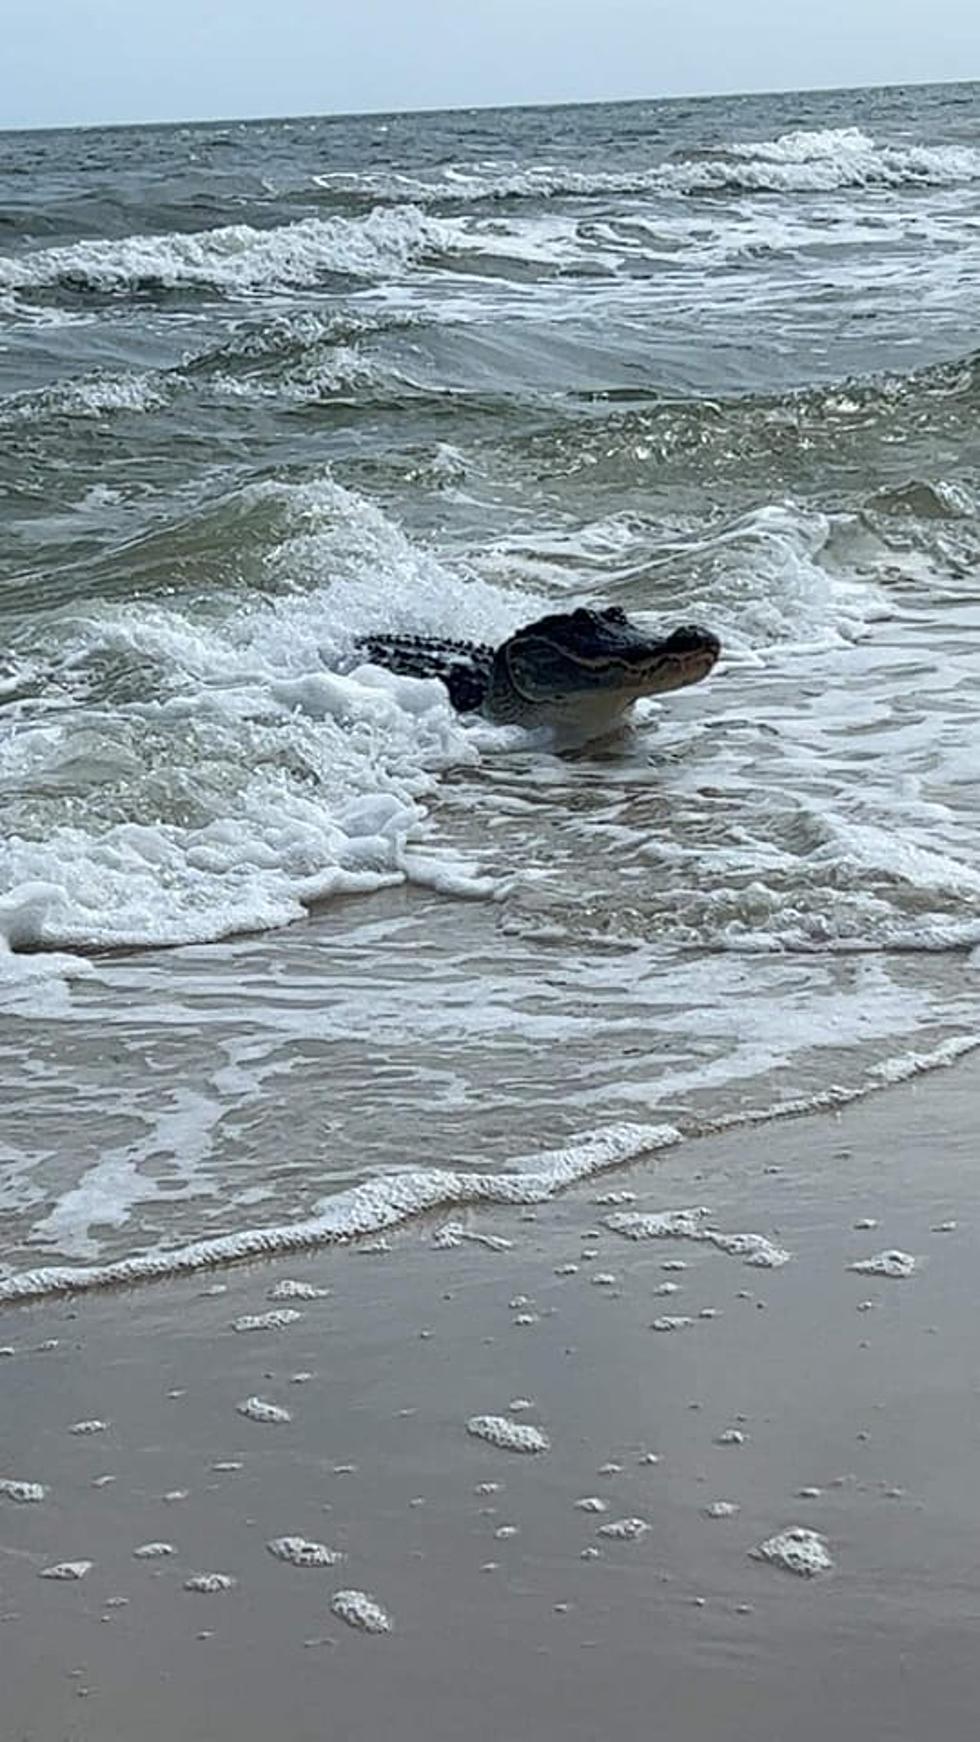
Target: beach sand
column 512, row 1618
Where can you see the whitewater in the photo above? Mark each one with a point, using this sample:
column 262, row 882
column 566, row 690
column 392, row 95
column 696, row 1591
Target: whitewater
column 288, row 950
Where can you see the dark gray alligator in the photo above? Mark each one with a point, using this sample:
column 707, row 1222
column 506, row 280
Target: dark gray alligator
column 583, row 667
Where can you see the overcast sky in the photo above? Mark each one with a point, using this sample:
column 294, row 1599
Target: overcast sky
column 74, row 61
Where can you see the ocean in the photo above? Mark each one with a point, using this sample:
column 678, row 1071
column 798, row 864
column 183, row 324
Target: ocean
column 286, row 945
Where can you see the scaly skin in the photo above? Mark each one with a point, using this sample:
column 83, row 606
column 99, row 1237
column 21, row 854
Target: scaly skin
column 584, row 664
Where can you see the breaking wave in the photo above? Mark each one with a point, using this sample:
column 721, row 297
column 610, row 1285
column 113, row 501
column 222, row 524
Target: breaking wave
column 388, row 1201
column 803, row 161
column 238, row 257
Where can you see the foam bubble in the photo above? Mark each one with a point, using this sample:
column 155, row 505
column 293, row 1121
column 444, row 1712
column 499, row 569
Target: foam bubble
column 300, row 1553
column 893, row 1263
column 152, row 1551
column 209, row 1584
column 796, row 1550
column 274, row 1321
column 258, row 1409
column 66, row 1570
column 89, row 1427
column 721, row 1509
column 26, row 1492
column 508, row 1435
column 454, row 1233
column 289, row 1290
column 360, row 1610
column 625, row 1529
column 672, row 1322
column 753, row 1249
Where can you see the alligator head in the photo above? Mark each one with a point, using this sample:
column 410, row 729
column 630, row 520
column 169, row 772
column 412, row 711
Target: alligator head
column 591, row 664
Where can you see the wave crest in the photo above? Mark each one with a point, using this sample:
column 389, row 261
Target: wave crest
column 818, row 160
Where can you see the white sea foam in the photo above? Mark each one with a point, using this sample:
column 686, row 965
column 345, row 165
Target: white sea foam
column 378, row 1203
column 259, row 1409
column 765, row 585
column 823, row 159
column 25, row 1492
column 753, row 1249
column 238, row 258
column 385, row 1202
column 287, row 1289
column 312, row 782
column 797, row 1550
column 625, row 1529
column 892, row 1263
column 508, row 1435
column 91, row 396
column 273, row 1321
column 360, row 1610
column 816, row 160
column 301, row 1553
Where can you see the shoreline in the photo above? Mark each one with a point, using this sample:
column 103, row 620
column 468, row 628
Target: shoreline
column 387, row 1201
column 511, row 1613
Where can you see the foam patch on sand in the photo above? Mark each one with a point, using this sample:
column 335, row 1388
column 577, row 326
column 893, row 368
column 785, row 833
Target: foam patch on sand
column 277, row 1320
column 300, row 1553
column 796, row 1550
column 360, row 1610
column 508, row 1435
column 894, row 1263
column 24, row 1492
column 259, row 1409
column 753, row 1249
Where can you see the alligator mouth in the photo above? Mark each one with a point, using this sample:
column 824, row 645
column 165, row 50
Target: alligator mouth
column 684, row 657
column 628, row 666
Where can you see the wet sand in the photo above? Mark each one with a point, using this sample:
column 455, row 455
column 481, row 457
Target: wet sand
column 513, row 1618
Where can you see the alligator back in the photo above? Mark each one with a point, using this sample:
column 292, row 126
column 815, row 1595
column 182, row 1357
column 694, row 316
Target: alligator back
column 463, row 666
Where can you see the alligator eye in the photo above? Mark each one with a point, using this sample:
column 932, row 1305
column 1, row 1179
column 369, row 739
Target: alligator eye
column 581, row 616
column 614, row 614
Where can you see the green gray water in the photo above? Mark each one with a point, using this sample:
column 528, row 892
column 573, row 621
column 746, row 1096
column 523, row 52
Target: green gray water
column 266, row 385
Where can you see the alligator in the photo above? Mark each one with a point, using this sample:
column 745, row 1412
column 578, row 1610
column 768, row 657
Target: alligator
column 583, row 668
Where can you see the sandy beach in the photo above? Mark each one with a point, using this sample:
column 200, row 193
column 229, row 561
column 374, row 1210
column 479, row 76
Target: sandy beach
column 522, row 1601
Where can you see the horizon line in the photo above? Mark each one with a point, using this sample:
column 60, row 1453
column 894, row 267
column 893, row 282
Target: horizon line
column 483, row 108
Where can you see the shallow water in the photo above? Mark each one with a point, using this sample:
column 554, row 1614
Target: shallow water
column 268, row 385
